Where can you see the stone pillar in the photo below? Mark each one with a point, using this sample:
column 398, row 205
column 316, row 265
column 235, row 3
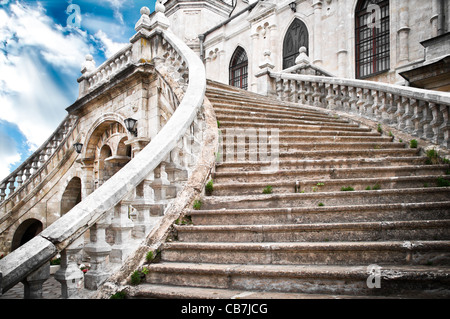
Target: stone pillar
column 122, row 226
column 87, row 179
column 342, row 53
column 98, row 250
column 274, row 44
column 435, row 18
column 403, row 32
column 263, row 76
column 33, row 283
column 255, row 49
column 223, row 68
column 317, row 6
column 69, row 275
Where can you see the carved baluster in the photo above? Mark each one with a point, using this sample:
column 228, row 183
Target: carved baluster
column 427, row 117
column 308, row 94
column 368, row 105
column 392, row 108
column 445, row 127
column 293, row 90
column 384, row 107
column 376, row 113
column 98, row 250
column 400, row 102
column 345, row 99
column 279, row 82
column 301, row 92
column 436, row 123
column 19, row 179
column 353, row 92
column 330, row 98
column 417, row 119
column 338, row 97
column 360, row 101
column 12, row 185
column 286, row 91
column 409, row 105
column 3, row 192
column 316, row 94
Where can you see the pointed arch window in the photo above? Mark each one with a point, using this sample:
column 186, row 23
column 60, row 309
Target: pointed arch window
column 239, row 69
column 372, row 37
column 296, row 37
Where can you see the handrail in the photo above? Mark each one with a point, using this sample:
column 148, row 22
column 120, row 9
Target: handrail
column 29, row 257
column 418, row 112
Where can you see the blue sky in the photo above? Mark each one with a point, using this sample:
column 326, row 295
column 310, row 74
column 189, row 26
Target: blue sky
column 42, row 48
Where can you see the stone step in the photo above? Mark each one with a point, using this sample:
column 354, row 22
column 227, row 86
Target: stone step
column 325, row 175
column 311, row 253
column 238, row 167
column 312, row 127
column 349, row 198
column 322, row 214
column 223, row 108
column 330, row 185
column 240, row 281
column 346, row 154
column 312, row 146
column 154, row 291
column 249, row 117
column 321, row 232
column 293, row 139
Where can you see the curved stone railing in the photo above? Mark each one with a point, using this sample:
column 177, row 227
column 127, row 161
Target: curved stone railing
column 37, row 167
column 420, row 113
column 92, row 213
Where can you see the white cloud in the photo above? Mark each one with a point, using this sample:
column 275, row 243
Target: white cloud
column 8, row 154
column 109, row 46
column 117, row 5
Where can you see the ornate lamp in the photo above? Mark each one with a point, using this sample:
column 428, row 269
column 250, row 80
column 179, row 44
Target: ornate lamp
column 130, row 124
column 293, row 6
column 78, row 147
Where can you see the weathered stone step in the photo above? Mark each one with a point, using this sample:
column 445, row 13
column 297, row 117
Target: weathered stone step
column 250, row 123
column 293, row 139
column 323, row 232
column 224, row 108
column 263, row 118
column 323, row 164
column 329, row 185
column 319, row 155
column 313, row 146
column 329, row 253
column 258, row 281
column 154, row 291
column 327, row 174
column 390, row 196
column 322, row 214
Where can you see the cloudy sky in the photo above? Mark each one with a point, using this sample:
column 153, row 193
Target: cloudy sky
column 42, row 48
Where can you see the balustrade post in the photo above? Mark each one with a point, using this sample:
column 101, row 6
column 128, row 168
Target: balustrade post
column 427, row 117
column 345, row 99
column 34, row 282
column 408, row 113
column 69, row 275
column 417, row 119
column 3, row 192
column 98, row 250
column 436, row 124
column 445, row 127
column 331, row 104
column 360, row 101
column 122, row 226
column 301, row 92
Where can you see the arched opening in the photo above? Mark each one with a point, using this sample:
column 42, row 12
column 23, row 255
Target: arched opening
column 25, row 232
column 105, row 168
column 296, row 37
column 239, row 69
column 71, row 196
column 372, row 37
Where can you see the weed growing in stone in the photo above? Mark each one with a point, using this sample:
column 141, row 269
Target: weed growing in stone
column 347, row 189
column 209, row 188
column 268, row 190
column 197, row 204
column 413, row 144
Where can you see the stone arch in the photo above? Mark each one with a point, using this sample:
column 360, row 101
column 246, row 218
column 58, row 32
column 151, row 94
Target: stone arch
column 26, row 231
column 295, row 37
column 71, row 196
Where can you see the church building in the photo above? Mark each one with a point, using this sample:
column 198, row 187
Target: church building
column 405, row 42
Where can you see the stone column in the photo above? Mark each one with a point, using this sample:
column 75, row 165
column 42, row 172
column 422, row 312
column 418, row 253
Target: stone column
column 122, row 226
column 274, row 44
column 403, row 32
column 69, row 275
column 98, row 249
column 223, row 69
column 33, row 283
column 342, row 53
column 255, row 49
column 317, row 6
column 263, row 76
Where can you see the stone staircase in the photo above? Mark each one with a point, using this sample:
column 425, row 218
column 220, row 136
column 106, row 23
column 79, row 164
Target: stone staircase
column 309, row 238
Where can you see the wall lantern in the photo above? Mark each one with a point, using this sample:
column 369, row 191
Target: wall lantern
column 293, row 6
column 78, row 147
column 130, row 124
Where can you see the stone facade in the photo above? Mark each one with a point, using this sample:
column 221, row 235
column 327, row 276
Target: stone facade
column 263, row 25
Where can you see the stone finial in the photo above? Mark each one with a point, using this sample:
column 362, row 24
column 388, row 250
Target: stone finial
column 159, row 7
column 267, row 63
column 303, row 57
column 144, row 21
column 160, row 20
column 88, row 65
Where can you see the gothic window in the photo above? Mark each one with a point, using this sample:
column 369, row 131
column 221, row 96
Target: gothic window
column 239, row 69
column 296, row 37
column 372, row 37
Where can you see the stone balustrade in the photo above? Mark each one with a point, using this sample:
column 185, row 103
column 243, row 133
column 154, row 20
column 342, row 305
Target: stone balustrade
column 420, row 113
column 126, row 206
column 36, row 168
